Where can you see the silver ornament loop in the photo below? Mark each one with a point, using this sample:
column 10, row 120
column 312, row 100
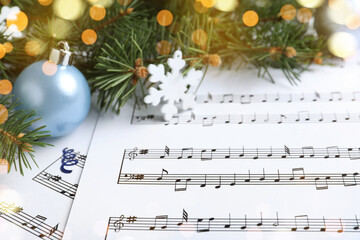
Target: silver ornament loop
column 65, row 45
column 62, row 56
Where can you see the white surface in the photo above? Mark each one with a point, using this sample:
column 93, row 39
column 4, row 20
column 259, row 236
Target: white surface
column 100, row 197
column 35, row 198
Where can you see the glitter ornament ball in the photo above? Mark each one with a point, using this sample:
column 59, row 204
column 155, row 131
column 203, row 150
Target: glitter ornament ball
column 58, row 92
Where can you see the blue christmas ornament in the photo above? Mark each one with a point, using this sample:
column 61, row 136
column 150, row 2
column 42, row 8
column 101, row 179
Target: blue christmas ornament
column 58, row 92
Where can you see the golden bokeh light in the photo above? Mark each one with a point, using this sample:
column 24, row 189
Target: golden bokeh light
column 208, row 3
column 199, row 7
column 339, row 16
column 49, row 68
column 226, row 5
column 124, row 2
column 97, row 12
column 165, row 18
column 69, row 9
column 304, row 15
column 311, row 3
column 104, row 3
column 250, row 18
column 199, row 37
column 32, row 48
column 4, row 114
column 89, row 36
column 163, row 47
column 353, row 21
column 4, row 166
column 19, row 19
column 5, row 87
column 8, row 47
column 288, row 12
column 336, row 4
column 45, row 2
column 342, row 44
column 2, row 51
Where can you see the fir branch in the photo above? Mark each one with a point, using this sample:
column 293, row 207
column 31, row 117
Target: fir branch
column 17, row 142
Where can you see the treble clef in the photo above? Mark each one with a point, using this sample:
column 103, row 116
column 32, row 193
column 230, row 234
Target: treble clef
column 133, row 154
column 119, row 224
column 68, row 159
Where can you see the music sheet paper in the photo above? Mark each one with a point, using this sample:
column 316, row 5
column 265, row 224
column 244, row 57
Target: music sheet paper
column 37, row 205
column 268, row 161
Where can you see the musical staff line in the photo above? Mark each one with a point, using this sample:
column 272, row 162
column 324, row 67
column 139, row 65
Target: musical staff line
column 297, row 177
column 255, row 118
column 300, row 223
column 278, row 98
column 34, row 225
column 56, row 182
column 207, row 154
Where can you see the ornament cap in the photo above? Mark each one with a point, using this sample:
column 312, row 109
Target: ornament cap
column 63, row 55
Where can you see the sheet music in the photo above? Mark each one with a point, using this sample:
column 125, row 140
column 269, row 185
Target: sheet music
column 36, row 205
column 224, row 181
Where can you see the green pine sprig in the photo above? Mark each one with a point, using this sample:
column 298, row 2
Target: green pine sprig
column 17, row 142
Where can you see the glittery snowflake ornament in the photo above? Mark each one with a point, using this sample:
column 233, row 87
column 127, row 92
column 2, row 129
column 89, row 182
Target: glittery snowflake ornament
column 173, row 86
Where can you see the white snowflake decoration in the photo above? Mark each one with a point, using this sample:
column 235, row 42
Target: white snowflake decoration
column 9, row 13
column 173, row 86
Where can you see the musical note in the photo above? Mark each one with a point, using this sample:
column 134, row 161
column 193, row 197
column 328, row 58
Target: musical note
column 200, row 227
column 246, row 101
column 207, row 154
column 303, row 115
column 334, row 150
column 204, row 184
column 245, row 224
column 209, row 98
column 208, row 121
column 53, row 230
column 323, row 229
column 277, row 223
column 166, row 152
column 227, row 98
column 68, row 160
column 282, row 117
column 234, row 181
column 219, row 185
column 35, row 222
column 303, row 220
column 181, row 188
column 322, row 186
column 334, row 94
column 186, row 153
column 162, row 174
column 354, row 154
column 309, row 150
column 295, row 170
column 278, row 177
column 287, row 151
column 349, row 180
column 357, row 223
column 162, row 219
column 185, row 215
column 229, row 224
column 261, row 220
column 34, row 225
column 341, row 230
